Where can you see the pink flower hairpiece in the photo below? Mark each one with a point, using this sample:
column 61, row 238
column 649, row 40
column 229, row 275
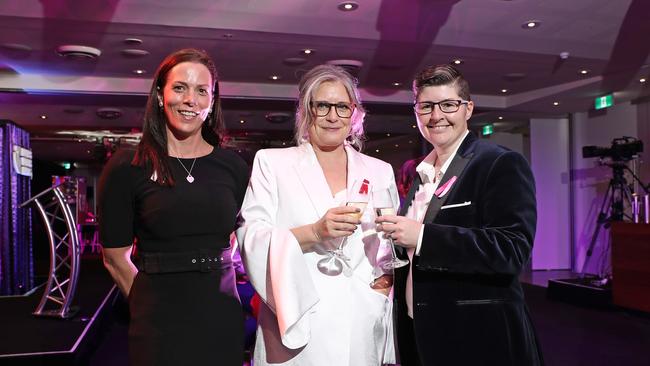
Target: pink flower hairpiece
column 442, row 190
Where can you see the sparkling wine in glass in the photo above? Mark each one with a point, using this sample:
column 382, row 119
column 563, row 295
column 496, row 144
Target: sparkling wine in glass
column 383, row 202
column 357, row 196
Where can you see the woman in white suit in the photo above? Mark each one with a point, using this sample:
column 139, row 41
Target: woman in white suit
column 294, row 213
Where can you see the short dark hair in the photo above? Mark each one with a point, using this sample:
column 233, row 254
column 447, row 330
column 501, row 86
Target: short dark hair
column 437, row 75
column 152, row 150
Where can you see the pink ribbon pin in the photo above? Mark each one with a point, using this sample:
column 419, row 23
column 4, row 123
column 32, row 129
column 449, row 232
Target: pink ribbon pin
column 442, row 190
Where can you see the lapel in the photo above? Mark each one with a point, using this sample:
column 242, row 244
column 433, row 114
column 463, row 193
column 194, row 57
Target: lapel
column 401, row 252
column 408, row 200
column 456, row 167
column 313, row 180
column 356, row 167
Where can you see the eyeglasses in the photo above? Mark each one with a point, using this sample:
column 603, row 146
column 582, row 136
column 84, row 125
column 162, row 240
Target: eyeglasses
column 446, row 106
column 343, row 110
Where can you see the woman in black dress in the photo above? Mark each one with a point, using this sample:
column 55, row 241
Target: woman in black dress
column 176, row 197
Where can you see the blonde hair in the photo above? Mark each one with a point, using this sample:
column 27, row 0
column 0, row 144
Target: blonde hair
column 309, row 83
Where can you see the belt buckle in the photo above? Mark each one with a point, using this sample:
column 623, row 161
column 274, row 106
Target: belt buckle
column 207, row 262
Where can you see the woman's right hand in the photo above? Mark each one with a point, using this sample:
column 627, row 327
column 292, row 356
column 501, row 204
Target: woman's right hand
column 337, row 222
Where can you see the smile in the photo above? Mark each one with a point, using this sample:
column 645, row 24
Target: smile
column 438, row 127
column 188, row 113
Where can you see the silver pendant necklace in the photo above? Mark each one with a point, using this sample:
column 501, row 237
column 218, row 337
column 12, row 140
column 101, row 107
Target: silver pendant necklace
column 190, row 177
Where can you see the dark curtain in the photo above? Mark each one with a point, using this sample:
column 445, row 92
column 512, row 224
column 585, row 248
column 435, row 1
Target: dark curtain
column 16, row 260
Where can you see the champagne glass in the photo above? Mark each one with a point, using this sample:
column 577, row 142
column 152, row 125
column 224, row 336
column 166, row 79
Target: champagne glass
column 383, row 203
column 357, row 196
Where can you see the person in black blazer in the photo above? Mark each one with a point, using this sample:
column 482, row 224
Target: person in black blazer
column 467, row 226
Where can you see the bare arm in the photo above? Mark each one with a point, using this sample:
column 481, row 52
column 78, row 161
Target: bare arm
column 118, row 263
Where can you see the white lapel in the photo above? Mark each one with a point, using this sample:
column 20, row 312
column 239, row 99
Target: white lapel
column 311, row 175
column 356, row 167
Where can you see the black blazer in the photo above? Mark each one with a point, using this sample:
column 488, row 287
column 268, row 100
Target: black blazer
column 468, row 304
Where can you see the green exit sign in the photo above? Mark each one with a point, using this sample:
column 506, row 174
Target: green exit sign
column 488, row 129
column 604, row 101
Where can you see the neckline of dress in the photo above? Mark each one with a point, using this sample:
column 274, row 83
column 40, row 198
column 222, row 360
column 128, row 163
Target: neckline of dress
column 197, row 157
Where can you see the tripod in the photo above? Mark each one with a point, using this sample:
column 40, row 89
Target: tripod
column 613, row 206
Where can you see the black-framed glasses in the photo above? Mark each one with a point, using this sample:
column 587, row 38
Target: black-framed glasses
column 322, row 109
column 446, row 106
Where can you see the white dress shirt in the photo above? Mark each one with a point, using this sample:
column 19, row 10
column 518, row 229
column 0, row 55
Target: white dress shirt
column 429, row 181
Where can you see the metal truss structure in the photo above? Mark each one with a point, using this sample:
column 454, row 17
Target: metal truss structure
column 63, row 239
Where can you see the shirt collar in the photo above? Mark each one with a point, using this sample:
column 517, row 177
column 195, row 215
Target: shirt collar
column 426, row 170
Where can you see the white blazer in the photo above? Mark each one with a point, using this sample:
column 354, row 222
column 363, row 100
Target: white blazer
column 308, row 317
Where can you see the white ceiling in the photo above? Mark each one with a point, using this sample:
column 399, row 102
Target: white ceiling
column 250, row 39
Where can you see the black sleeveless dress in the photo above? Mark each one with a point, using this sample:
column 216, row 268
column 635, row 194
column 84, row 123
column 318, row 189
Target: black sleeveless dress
column 183, row 303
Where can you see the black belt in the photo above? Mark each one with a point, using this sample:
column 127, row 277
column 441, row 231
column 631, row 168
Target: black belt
column 203, row 260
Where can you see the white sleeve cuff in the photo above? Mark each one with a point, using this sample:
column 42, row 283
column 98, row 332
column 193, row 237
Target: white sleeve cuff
column 417, row 248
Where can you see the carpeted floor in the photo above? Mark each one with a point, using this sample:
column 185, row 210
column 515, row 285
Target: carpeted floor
column 574, row 336
column 570, row 335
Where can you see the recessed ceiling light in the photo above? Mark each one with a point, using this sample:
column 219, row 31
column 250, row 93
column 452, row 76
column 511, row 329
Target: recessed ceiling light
column 457, row 61
column 642, row 80
column 78, row 51
column 274, row 77
column 584, row 72
column 307, row 51
column 531, row 24
column 414, row 126
column 134, row 52
column 139, row 71
column 348, row 6
column 410, row 141
column 556, row 103
column 388, row 135
column 43, row 116
column 242, row 121
column 133, row 41
column 284, row 143
column 396, row 145
column 504, row 90
column 500, row 117
column 397, row 84
column 376, row 150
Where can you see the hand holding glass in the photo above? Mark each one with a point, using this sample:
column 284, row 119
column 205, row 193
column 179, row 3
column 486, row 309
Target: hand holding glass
column 383, row 203
column 357, row 196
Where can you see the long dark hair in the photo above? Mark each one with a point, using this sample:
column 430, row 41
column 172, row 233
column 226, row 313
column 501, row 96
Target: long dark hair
column 152, row 151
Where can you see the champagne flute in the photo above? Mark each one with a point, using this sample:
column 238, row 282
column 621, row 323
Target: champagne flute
column 358, row 196
column 383, row 203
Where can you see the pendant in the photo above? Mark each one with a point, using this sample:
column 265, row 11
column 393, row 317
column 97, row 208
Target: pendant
column 190, row 178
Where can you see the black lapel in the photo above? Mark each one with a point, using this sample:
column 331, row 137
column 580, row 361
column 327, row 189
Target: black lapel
column 456, row 167
column 408, row 201
column 410, row 195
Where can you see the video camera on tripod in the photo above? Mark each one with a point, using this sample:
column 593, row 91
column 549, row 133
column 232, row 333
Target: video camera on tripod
column 619, row 193
column 623, row 149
